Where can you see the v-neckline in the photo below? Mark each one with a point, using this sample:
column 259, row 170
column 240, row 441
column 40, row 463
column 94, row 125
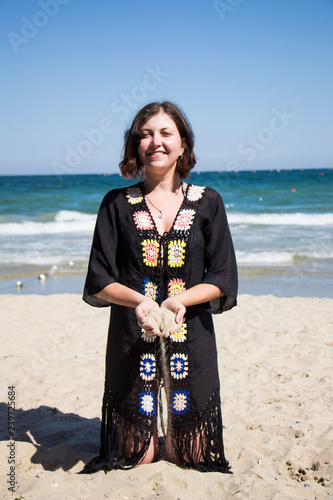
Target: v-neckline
column 160, row 235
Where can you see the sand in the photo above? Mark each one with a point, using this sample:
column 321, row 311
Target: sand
column 163, row 320
column 275, row 358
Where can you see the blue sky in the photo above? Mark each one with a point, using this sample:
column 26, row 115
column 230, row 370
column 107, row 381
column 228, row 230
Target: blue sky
column 254, row 77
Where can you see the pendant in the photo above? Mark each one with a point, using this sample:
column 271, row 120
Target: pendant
column 161, row 216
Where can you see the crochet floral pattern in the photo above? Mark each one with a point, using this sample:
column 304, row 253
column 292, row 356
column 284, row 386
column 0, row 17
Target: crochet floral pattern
column 176, row 253
column 179, row 366
column 147, row 404
column 164, row 275
column 143, row 220
column 176, row 286
column 194, row 193
column 181, row 335
column 180, row 401
column 150, row 289
column 147, row 367
column 184, row 220
column 147, row 337
column 134, row 195
column 150, row 249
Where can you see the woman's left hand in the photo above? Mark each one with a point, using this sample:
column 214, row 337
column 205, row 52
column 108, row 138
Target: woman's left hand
column 176, row 307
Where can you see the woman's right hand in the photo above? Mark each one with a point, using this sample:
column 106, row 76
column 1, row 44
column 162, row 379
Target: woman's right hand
column 174, row 305
column 141, row 311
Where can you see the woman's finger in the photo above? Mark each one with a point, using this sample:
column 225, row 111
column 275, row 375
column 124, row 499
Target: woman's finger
column 178, row 316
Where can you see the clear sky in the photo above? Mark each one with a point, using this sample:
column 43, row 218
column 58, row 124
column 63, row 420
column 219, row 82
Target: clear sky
column 255, row 78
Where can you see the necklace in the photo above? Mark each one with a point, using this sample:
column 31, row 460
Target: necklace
column 161, row 215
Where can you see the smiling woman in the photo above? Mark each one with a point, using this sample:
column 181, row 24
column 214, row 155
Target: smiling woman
column 161, row 144
column 161, row 244
column 132, row 165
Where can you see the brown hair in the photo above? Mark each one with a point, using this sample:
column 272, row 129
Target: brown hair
column 131, row 166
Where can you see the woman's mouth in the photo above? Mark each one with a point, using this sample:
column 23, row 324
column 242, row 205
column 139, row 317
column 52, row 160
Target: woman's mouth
column 156, row 154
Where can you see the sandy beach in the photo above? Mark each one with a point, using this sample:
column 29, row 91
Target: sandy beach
column 275, row 358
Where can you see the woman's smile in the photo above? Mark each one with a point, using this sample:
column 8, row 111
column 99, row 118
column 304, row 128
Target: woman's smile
column 156, row 154
column 161, row 144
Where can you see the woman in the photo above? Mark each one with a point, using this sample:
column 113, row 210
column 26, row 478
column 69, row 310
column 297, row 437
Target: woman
column 161, row 242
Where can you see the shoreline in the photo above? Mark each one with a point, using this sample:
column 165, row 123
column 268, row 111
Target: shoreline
column 275, row 357
column 252, row 281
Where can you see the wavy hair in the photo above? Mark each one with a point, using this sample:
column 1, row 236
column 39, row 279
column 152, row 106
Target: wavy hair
column 131, row 166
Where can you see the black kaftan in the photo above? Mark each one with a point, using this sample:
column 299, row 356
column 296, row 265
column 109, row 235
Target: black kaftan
column 128, row 249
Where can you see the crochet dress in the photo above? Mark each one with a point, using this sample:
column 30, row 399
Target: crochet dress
column 128, row 249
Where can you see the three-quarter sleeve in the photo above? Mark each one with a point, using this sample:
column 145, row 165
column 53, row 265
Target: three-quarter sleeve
column 102, row 267
column 220, row 260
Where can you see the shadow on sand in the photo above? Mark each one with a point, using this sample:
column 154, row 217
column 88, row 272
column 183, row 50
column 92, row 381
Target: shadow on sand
column 61, row 440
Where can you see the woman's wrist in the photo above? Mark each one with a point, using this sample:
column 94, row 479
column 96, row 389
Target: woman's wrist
column 183, row 298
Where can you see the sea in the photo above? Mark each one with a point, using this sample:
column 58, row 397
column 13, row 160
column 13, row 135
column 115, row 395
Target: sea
column 281, row 223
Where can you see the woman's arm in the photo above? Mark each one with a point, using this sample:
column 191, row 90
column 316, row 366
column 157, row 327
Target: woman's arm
column 198, row 294
column 122, row 295
column 119, row 294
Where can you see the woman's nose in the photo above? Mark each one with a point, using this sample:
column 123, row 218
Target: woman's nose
column 156, row 140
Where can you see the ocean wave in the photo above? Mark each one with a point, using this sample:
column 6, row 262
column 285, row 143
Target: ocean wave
column 73, row 216
column 262, row 258
column 65, row 221
column 282, row 257
column 77, row 262
column 283, row 219
column 70, row 221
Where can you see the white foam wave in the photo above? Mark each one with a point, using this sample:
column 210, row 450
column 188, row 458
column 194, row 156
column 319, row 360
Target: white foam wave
column 65, row 221
column 73, row 216
column 283, row 219
column 282, row 257
column 33, row 260
column 262, row 258
column 70, row 221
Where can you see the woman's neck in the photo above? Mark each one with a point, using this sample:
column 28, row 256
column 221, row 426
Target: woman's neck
column 164, row 185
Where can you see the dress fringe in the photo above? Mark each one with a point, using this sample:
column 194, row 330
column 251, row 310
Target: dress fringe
column 114, row 444
column 198, row 446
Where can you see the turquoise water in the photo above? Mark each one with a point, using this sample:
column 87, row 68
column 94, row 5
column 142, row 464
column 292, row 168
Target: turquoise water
column 281, row 223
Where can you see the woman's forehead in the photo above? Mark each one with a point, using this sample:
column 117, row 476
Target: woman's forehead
column 159, row 120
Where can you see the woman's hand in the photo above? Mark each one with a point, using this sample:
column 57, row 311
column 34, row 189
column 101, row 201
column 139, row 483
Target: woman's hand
column 176, row 307
column 141, row 311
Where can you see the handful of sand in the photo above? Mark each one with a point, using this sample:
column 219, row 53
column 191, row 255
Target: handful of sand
column 163, row 319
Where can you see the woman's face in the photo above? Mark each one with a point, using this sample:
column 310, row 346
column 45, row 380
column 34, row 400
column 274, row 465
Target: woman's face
column 160, row 144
